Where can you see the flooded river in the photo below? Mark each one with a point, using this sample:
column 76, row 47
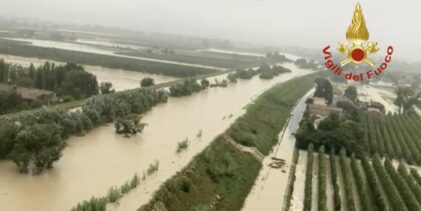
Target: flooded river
column 93, row 163
column 121, row 79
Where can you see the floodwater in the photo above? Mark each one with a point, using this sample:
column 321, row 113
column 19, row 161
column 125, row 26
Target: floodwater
column 93, row 163
column 106, row 43
column 103, row 51
column 121, row 79
column 222, row 51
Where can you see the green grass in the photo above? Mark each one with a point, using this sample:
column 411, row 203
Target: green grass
column 220, row 170
column 264, row 119
column 114, row 194
column 153, row 167
column 222, row 175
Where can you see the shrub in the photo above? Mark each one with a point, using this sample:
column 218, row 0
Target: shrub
column 182, row 145
column 153, row 167
column 146, row 82
column 113, row 194
column 135, row 181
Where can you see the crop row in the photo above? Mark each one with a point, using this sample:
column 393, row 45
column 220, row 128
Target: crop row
column 361, row 184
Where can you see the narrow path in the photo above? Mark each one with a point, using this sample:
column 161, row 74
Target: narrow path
column 252, row 150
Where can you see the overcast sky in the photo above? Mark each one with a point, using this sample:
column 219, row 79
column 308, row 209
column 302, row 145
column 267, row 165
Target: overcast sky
column 307, row 23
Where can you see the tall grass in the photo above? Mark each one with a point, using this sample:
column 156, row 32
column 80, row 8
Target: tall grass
column 153, row 167
column 113, row 195
column 182, row 145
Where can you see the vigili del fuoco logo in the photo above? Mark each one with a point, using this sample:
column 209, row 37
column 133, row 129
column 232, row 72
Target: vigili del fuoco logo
column 357, row 51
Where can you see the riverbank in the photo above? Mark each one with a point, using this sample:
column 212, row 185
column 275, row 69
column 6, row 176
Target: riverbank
column 221, row 176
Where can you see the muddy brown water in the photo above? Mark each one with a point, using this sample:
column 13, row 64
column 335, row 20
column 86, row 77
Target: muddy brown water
column 93, row 163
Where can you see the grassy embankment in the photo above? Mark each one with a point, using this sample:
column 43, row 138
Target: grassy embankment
column 220, row 177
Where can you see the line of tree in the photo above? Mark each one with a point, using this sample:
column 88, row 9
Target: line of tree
column 268, row 72
column 403, row 188
column 336, row 196
column 375, row 186
column 322, row 179
column 396, row 136
column 66, row 80
column 185, row 88
column 242, row 74
column 34, row 140
column 347, row 179
column 362, row 187
column 309, row 179
column 395, row 199
column 306, row 64
column 410, row 181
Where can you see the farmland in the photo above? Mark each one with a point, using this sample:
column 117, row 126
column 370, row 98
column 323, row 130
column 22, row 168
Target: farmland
column 357, row 159
column 362, row 184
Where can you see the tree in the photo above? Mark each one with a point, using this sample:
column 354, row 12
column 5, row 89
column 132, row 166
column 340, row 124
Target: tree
column 79, row 84
column 406, row 98
column 351, row 93
column 39, row 144
column 129, row 125
column 324, row 89
column 106, row 87
column 147, row 82
column 8, row 132
column 205, row 83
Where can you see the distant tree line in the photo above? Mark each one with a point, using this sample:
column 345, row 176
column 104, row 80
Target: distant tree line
column 276, row 57
column 34, row 140
column 304, row 63
column 22, row 49
column 66, row 80
column 266, row 72
column 189, row 86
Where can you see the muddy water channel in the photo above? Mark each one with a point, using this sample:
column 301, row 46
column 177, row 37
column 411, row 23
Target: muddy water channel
column 93, row 163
